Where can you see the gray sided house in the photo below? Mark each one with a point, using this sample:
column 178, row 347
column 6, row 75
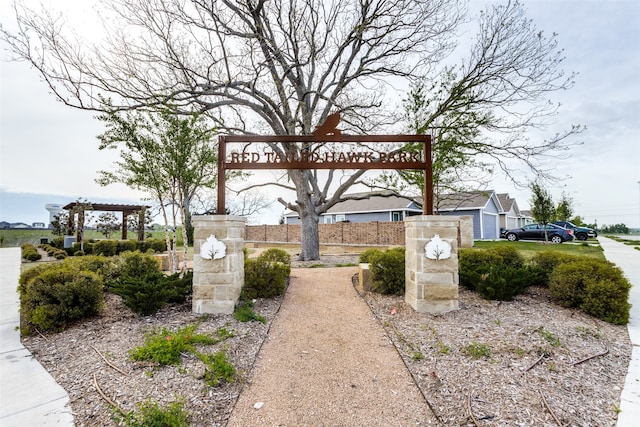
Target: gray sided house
column 510, row 216
column 483, row 206
column 381, row 206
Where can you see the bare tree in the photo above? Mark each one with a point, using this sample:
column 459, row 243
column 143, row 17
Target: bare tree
column 281, row 67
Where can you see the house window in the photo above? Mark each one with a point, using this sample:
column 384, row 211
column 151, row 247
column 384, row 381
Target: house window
column 341, row 218
column 396, row 216
column 328, row 219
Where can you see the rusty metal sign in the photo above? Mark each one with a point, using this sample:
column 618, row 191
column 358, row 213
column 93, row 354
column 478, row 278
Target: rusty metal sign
column 353, row 152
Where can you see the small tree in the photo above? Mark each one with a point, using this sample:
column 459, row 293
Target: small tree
column 60, row 225
column 564, row 210
column 542, row 208
column 107, row 224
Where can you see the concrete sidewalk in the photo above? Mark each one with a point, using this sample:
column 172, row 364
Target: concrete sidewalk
column 29, row 396
column 628, row 259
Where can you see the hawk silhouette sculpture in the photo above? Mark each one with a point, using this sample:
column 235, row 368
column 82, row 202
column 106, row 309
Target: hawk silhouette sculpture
column 329, row 126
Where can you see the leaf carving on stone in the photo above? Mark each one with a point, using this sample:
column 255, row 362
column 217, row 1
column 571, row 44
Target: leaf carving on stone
column 213, row 248
column 437, row 248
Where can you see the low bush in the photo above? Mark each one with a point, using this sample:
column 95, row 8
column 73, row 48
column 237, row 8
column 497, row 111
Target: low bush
column 504, row 282
column 30, row 253
column 106, row 247
column 135, row 264
column 510, row 255
column 53, row 297
column 473, row 264
column 244, row 313
column 126, row 246
column 366, row 256
column 594, row 286
column 266, row 276
column 151, row 414
column 388, row 271
column 548, row 260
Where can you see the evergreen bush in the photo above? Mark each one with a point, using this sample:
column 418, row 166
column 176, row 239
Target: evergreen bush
column 388, row 271
column 30, row 253
column 266, row 276
column 594, row 286
column 365, row 257
column 126, row 246
column 55, row 296
column 548, row 260
column 473, row 264
column 510, row 255
column 105, row 247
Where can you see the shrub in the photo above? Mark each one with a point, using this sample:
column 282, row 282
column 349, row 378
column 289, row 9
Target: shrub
column 503, row 282
column 388, row 272
column 165, row 347
column 510, row 255
column 136, row 264
column 105, row 247
column 30, row 253
column 138, row 279
column 59, row 295
column 101, row 265
column 57, row 242
column 276, row 255
column 608, row 300
column 548, row 260
column 144, row 294
column 366, row 256
column 126, row 246
column 266, row 276
column 473, row 263
column 151, row 414
column 157, row 245
column 179, row 286
column 218, row 369
column 244, row 313
column 596, row 287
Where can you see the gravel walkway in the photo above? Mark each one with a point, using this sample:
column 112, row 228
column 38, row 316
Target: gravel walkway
column 327, row 361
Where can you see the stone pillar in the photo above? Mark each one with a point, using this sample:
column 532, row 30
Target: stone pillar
column 432, row 284
column 217, row 282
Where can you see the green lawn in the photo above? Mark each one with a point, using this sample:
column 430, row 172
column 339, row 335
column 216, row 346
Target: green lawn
column 528, row 249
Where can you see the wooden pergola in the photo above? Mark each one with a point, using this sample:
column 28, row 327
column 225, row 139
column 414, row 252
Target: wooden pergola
column 126, row 210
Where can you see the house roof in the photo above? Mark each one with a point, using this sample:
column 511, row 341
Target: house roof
column 374, row 202
column 508, row 203
column 467, row 200
column 380, row 201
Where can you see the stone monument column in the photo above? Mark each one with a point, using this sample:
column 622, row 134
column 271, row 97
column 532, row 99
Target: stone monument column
column 431, row 260
column 218, row 262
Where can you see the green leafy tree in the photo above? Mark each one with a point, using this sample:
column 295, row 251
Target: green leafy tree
column 61, row 226
column 107, row 224
column 564, row 209
column 282, row 67
column 168, row 156
column 542, row 208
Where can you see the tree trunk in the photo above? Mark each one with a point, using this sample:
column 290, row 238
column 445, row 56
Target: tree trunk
column 309, row 237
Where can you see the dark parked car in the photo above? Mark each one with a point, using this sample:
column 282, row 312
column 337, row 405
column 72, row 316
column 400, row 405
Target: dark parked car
column 555, row 233
column 581, row 233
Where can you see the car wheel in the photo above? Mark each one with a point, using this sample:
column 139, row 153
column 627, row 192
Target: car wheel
column 556, row 239
column 512, row 237
column 582, row 236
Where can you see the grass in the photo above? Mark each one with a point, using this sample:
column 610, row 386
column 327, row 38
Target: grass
column 529, row 249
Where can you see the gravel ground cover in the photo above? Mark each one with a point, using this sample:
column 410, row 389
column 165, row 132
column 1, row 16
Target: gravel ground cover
column 522, row 363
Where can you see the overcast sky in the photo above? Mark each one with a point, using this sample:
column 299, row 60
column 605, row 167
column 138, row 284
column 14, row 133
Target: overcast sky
column 49, row 149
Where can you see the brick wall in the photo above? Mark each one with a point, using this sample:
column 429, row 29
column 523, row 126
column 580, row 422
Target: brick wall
column 351, row 233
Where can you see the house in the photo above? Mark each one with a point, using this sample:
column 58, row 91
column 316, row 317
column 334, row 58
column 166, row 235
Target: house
column 483, row 206
column 510, row 216
column 486, row 207
column 382, row 206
